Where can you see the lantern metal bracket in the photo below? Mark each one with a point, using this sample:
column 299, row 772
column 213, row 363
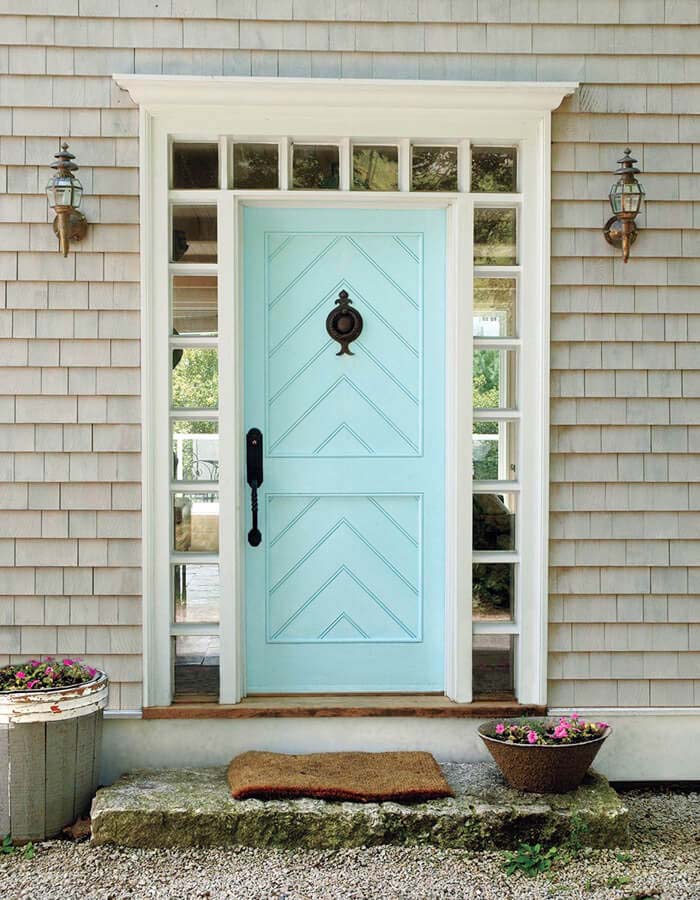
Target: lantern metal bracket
column 613, row 232
column 69, row 225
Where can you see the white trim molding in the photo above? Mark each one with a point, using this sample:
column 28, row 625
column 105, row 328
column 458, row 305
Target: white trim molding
column 154, row 91
column 283, row 111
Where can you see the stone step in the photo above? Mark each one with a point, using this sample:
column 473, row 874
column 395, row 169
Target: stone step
column 193, row 807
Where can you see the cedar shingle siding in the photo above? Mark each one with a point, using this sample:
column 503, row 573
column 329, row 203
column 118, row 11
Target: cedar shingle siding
column 625, row 452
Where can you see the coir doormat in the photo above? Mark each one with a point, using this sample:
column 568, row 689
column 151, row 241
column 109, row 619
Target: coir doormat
column 405, row 777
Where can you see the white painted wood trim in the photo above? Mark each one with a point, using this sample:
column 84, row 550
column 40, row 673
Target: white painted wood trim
column 153, row 91
column 452, row 112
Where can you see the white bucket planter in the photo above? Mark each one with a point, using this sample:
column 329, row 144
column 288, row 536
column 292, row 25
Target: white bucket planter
column 50, row 746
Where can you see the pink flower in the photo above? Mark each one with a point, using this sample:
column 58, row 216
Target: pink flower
column 33, row 683
column 560, row 732
column 92, row 671
column 67, row 662
column 500, row 728
column 575, row 716
column 601, row 725
column 49, row 670
column 532, row 737
column 21, row 675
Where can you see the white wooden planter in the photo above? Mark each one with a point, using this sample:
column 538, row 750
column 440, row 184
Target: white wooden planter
column 50, row 745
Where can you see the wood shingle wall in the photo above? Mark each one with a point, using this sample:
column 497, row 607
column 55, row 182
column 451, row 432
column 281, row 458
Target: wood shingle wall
column 625, row 464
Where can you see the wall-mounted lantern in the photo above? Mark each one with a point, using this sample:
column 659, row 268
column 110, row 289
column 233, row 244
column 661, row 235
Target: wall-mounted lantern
column 626, row 197
column 65, row 192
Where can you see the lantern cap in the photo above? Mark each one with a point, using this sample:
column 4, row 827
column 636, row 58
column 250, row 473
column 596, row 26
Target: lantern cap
column 64, row 159
column 626, row 164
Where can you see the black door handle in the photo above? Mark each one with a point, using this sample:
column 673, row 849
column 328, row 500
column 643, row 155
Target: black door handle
column 254, row 476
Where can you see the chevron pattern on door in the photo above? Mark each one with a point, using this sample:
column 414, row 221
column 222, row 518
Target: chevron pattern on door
column 343, row 568
column 314, row 406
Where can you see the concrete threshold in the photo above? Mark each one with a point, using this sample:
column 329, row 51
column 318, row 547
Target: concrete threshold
column 193, row 807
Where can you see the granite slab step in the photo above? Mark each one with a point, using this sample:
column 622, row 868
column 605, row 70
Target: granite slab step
column 193, row 807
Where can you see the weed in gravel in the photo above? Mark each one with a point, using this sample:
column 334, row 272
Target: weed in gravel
column 618, row 881
column 7, row 848
column 530, row 859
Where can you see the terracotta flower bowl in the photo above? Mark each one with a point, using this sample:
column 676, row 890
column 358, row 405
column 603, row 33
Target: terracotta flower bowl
column 542, row 769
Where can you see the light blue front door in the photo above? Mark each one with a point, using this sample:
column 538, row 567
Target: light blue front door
column 346, row 590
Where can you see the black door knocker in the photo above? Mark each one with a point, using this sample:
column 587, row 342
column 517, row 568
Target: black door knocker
column 344, row 323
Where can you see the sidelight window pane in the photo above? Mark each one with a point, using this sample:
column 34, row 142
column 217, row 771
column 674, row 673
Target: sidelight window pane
column 375, row 168
column 493, row 521
column 194, row 305
column 494, row 237
column 256, row 166
column 494, row 307
column 495, row 379
column 434, row 169
column 196, row 666
column 195, row 450
column 493, row 591
column 196, row 523
column 195, row 165
column 195, row 378
column 493, row 662
column 494, row 451
column 194, row 234
column 196, row 593
column 315, row 167
column 494, row 170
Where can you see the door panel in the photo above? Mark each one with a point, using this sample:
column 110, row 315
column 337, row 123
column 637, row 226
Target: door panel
column 346, row 590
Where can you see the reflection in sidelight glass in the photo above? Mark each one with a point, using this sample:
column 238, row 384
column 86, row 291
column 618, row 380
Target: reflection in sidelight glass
column 494, row 170
column 493, row 664
column 494, row 236
column 375, row 168
column 494, row 379
column 255, row 166
column 493, row 591
column 196, row 593
column 494, row 307
column 315, row 167
column 195, row 165
column 434, row 169
column 194, row 234
column 493, row 521
column 195, row 450
column 195, row 522
column 194, row 381
column 194, row 305
column 494, row 451
column 196, row 666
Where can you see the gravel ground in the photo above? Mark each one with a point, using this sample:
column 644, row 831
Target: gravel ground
column 664, row 862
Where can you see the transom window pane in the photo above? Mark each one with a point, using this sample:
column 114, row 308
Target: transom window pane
column 194, row 305
column 375, row 168
column 196, row 593
column 494, row 451
column 494, row 379
column 494, row 170
column 316, row 167
column 493, row 663
column 196, row 523
column 494, row 237
column 256, row 166
column 434, row 169
column 196, row 665
column 195, row 378
column 195, row 165
column 195, row 450
column 194, row 234
column 493, row 521
column 495, row 307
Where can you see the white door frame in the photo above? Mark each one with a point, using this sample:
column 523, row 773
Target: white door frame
column 314, row 110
